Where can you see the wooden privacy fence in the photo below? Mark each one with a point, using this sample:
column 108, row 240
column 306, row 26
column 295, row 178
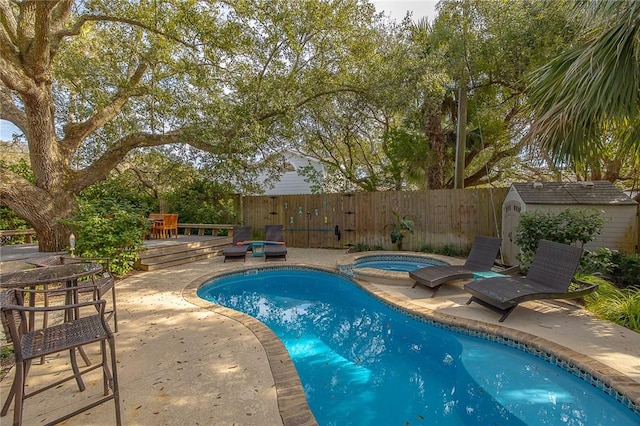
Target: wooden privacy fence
column 442, row 217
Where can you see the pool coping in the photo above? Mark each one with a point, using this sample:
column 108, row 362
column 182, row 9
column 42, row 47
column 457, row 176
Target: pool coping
column 292, row 402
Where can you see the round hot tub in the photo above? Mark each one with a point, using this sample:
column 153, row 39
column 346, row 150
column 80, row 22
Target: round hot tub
column 391, row 268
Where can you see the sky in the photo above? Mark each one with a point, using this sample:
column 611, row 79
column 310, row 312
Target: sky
column 396, row 9
column 6, row 130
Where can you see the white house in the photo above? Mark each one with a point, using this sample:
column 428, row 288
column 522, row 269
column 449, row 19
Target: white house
column 290, row 180
column 619, row 211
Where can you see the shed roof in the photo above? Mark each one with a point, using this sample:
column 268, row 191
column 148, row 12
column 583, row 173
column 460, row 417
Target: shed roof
column 601, row 192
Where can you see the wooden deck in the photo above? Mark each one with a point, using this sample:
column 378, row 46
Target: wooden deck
column 160, row 253
column 163, row 253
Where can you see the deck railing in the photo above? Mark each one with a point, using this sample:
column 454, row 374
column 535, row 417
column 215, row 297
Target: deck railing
column 189, row 228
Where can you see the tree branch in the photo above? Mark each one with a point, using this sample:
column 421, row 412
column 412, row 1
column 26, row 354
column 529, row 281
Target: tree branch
column 12, row 73
column 304, row 101
column 9, row 33
column 24, row 198
column 61, row 13
column 77, row 28
column 40, row 56
column 75, row 133
column 116, row 153
column 9, row 110
column 141, row 177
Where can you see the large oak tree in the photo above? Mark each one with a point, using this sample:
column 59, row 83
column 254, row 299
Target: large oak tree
column 89, row 82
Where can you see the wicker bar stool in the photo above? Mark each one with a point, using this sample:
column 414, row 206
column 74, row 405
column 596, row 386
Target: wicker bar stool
column 69, row 334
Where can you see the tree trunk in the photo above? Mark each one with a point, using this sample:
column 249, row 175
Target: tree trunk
column 42, row 210
column 437, row 143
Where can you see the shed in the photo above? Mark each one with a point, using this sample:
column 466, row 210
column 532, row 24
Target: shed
column 619, row 211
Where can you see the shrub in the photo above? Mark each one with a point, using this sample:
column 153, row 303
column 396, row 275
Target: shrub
column 450, row 250
column 598, row 261
column 202, row 201
column 399, row 229
column 360, row 247
column 621, row 306
column 426, row 248
column 446, row 250
column 109, row 229
column 122, row 189
column 620, row 268
column 568, row 227
column 625, row 269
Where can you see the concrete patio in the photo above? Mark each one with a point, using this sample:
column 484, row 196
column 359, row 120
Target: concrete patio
column 183, row 361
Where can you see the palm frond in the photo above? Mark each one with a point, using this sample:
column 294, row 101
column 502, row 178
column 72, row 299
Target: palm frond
column 584, row 91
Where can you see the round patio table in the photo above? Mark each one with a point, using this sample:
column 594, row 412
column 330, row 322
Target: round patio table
column 68, row 273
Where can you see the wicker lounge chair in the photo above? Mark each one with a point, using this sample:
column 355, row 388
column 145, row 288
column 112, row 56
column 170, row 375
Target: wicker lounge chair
column 238, row 251
column 549, row 277
column 31, row 342
column 482, row 258
column 275, row 233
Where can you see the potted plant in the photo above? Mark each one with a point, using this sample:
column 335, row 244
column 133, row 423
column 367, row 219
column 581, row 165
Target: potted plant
column 400, row 229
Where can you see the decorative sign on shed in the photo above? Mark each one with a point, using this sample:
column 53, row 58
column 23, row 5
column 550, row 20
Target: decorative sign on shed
column 619, row 211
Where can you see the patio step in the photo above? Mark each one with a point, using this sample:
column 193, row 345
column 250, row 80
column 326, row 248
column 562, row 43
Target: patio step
column 179, row 254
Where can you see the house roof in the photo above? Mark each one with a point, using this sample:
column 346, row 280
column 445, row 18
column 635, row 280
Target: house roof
column 594, row 193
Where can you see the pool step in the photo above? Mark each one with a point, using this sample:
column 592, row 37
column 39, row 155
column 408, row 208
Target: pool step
column 179, row 254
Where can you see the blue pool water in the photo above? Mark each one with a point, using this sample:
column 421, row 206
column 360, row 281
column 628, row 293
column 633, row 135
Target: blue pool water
column 395, row 262
column 391, row 265
column 364, row 363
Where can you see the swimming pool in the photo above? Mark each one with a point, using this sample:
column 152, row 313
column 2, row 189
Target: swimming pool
column 362, row 362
